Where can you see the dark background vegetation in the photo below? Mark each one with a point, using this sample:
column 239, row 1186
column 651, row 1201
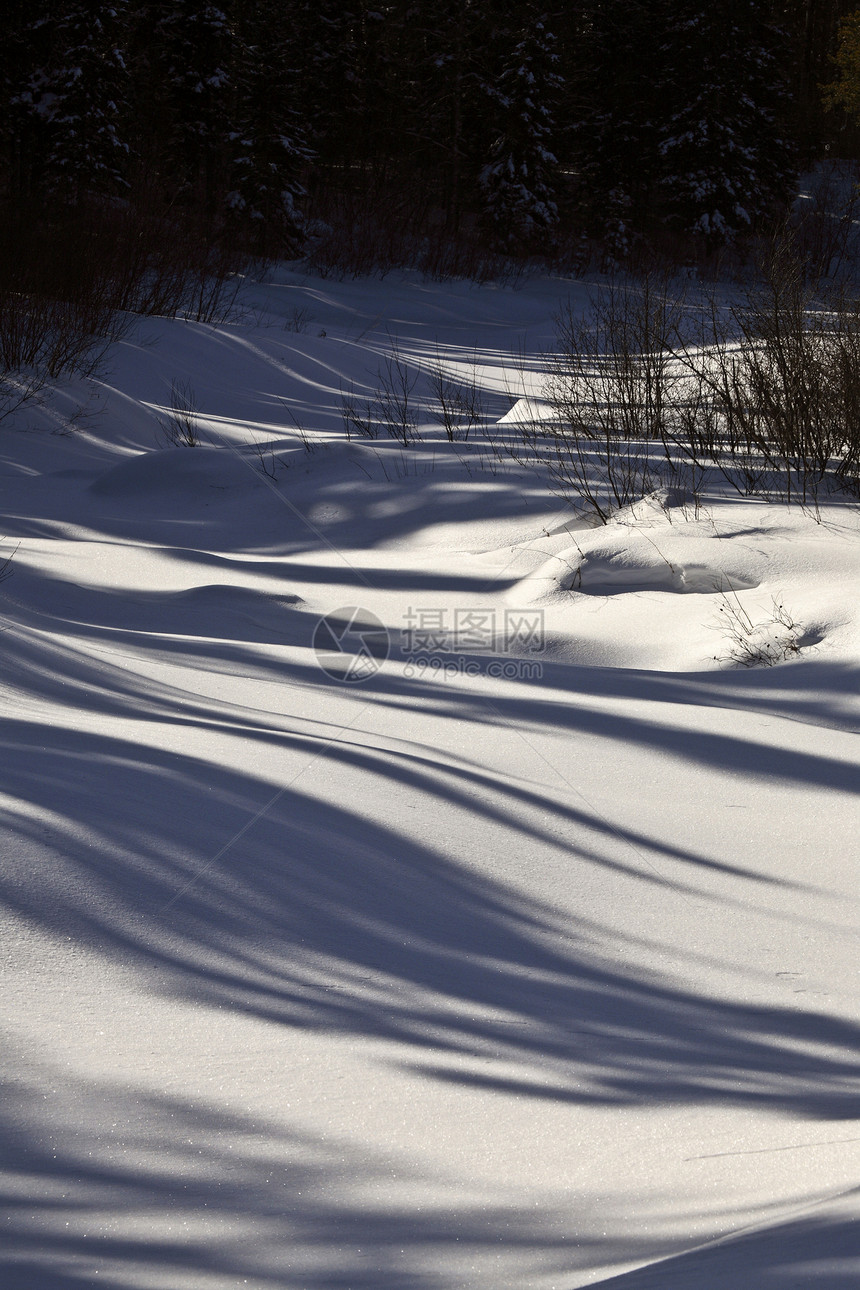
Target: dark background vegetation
column 373, row 134
column 151, row 151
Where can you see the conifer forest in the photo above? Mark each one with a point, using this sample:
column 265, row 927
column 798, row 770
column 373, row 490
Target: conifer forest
column 369, row 135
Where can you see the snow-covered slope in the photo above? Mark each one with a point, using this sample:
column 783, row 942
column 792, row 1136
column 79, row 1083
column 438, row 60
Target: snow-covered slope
column 512, row 946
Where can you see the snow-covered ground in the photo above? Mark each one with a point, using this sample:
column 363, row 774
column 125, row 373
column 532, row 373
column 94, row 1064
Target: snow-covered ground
column 513, row 947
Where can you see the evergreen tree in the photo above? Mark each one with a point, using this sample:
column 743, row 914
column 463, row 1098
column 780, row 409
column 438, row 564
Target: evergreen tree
column 812, row 29
column 844, row 90
column 619, row 71
column 268, row 152
column 726, row 161
column 23, row 58
column 79, row 95
column 325, row 71
column 182, row 57
column 520, row 183
column 663, row 112
column 455, row 67
column 365, row 99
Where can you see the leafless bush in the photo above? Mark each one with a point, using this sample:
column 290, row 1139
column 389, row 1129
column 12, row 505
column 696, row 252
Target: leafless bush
column 180, row 428
column 610, row 387
column 58, row 306
column 211, row 286
column 166, row 259
column 764, row 392
column 356, row 417
column 826, row 220
column 777, row 382
column 394, row 407
column 17, row 389
column 459, row 399
column 299, row 320
column 392, row 410
column 306, row 438
column 367, row 229
column 72, row 282
column 756, row 643
column 267, row 460
column 443, row 257
column 381, row 225
column 6, row 563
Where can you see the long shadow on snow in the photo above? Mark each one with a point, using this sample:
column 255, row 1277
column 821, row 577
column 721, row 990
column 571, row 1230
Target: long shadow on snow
column 285, row 1208
column 814, row 1250
column 218, row 628
column 54, row 671
column 533, row 713
column 283, row 519
column 222, row 1200
column 321, row 917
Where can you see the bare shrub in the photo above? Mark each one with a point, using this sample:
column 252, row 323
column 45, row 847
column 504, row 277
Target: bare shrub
column 167, row 259
column 299, row 320
column 379, row 225
column 211, row 285
column 16, row 390
column 73, row 280
column 356, row 417
column 778, row 385
column 756, row 643
column 366, row 228
column 267, row 460
column 394, row 407
column 459, row 399
column 6, row 564
column 764, row 392
column 58, row 300
column 392, row 410
column 180, row 428
column 825, row 221
column 442, row 257
column 307, row 440
column 610, row 388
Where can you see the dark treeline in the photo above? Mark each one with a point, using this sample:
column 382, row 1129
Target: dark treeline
column 525, row 125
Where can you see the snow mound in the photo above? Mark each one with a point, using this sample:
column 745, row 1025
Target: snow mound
column 171, row 470
column 525, row 410
column 206, row 610
column 629, row 561
column 216, row 610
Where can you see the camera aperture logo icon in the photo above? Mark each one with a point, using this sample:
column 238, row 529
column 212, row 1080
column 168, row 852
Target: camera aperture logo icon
column 351, row 644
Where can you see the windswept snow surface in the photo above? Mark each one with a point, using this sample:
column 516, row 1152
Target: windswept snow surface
column 515, row 949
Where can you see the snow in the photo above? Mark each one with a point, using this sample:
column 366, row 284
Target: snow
column 460, row 976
